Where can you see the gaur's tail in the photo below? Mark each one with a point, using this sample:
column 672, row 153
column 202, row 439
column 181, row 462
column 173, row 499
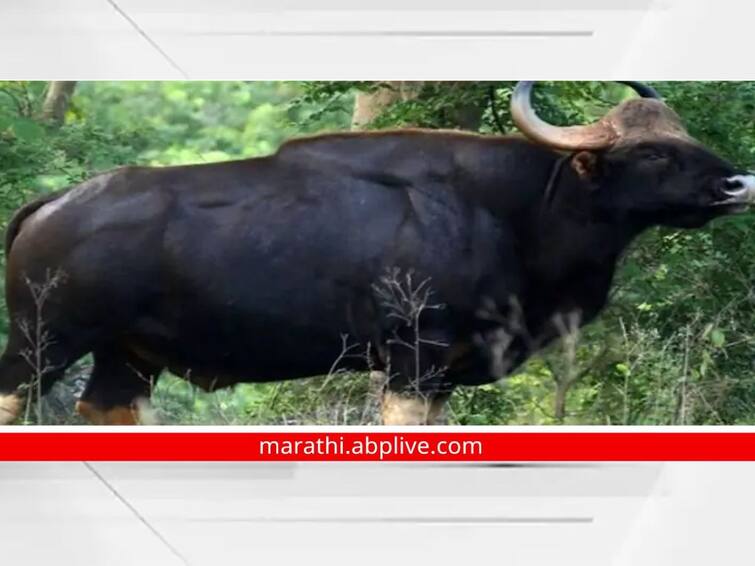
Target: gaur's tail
column 14, row 226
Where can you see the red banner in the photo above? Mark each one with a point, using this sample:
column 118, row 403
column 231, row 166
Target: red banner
column 335, row 445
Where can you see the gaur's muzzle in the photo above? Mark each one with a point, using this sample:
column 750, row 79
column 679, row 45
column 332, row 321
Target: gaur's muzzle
column 738, row 192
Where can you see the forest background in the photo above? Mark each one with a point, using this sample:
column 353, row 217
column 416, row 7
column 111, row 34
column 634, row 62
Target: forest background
column 675, row 346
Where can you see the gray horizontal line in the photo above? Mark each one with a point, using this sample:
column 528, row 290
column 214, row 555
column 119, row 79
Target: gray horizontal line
column 410, row 520
column 400, row 33
column 511, row 465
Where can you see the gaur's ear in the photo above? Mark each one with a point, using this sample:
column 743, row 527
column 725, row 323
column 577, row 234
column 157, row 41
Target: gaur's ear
column 585, row 163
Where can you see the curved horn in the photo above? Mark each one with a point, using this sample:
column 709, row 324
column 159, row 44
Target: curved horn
column 642, row 89
column 593, row 136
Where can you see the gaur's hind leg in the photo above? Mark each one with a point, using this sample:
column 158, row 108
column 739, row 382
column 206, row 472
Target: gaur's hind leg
column 119, row 388
column 28, row 370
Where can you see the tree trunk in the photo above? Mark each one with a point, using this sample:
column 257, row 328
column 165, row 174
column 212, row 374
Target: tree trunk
column 56, row 102
column 369, row 105
column 559, row 403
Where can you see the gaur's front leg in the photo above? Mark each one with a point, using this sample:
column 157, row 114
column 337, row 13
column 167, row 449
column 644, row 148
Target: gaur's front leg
column 417, row 387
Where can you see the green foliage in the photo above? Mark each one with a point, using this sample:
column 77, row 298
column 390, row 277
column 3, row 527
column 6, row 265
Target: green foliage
column 674, row 347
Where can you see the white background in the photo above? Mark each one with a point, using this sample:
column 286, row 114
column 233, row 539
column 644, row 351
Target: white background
column 385, row 40
column 592, row 514
column 214, row 514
